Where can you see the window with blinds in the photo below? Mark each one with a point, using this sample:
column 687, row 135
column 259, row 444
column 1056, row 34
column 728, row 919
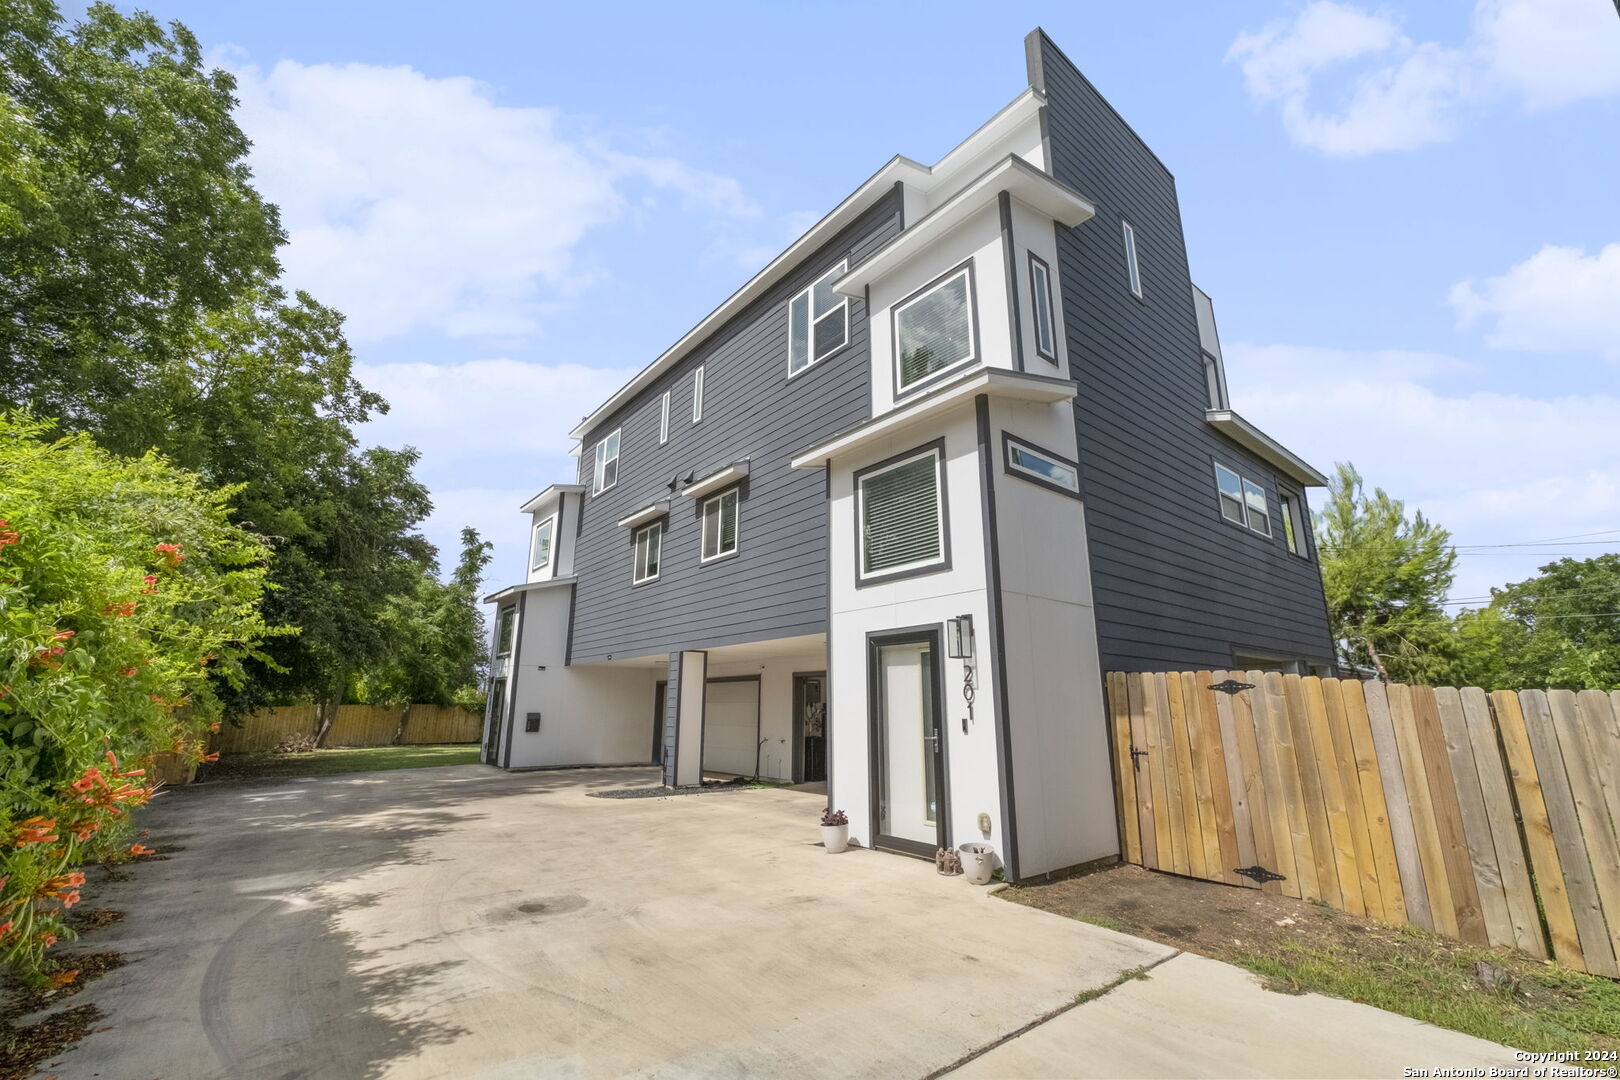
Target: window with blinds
column 902, row 516
column 720, row 525
column 934, row 330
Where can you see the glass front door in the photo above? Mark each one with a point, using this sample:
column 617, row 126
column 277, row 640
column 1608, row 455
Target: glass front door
column 910, row 755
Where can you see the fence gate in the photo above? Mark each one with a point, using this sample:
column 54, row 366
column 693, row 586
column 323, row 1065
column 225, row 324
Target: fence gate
column 1446, row 808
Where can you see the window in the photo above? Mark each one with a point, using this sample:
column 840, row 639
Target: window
column 818, row 322
column 1293, row 519
column 720, row 525
column 1041, row 466
column 503, row 640
column 901, row 514
column 697, row 394
column 1130, row 261
column 1243, row 502
column 663, row 419
column 1214, row 382
column 933, row 330
column 649, row 545
column 1040, row 294
column 540, row 547
column 606, row 473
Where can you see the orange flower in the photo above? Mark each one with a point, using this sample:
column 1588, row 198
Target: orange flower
column 36, row 830
column 5, row 929
column 128, row 672
column 119, row 611
column 63, row 635
column 207, row 758
column 62, row 978
column 48, row 939
column 141, row 849
column 171, row 553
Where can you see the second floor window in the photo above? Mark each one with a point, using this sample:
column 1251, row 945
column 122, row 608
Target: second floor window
column 540, row 547
column 1040, row 293
column 503, row 639
column 902, row 519
column 606, row 471
column 648, row 547
column 1243, row 502
column 1214, row 382
column 1132, row 270
column 933, row 329
column 1293, row 519
column 663, row 419
column 818, row 322
column 720, row 525
column 697, row 394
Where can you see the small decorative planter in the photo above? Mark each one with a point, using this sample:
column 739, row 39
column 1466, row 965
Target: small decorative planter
column 978, row 862
column 834, row 830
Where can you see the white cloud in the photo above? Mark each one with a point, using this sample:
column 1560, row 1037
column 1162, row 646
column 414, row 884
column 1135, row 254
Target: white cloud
column 422, row 203
column 1444, row 453
column 1558, row 300
column 1399, row 94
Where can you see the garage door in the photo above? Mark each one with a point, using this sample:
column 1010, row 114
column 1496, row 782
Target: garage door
column 731, row 725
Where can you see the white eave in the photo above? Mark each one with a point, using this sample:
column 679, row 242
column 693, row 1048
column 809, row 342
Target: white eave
column 645, row 514
column 1264, row 447
column 528, row 586
column 993, row 382
column 898, row 169
column 716, row 480
column 1011, row 174
column 547, row 495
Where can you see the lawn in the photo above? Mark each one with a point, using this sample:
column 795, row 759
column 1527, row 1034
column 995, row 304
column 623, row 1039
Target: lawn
column 1301, row 947
column 330, row 762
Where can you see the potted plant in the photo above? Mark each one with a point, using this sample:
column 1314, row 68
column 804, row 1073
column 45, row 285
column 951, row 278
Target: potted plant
column 834, row 830
column 978, row 862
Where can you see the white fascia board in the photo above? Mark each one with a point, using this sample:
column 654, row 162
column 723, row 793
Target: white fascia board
column 1011, row 174
column 1017, row 112
column 716, row 480
column 1264, row 447
column 549, row 494
column 512, row 590
column 645, row 514
column 993, row 382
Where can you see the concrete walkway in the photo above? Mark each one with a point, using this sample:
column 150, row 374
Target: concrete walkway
column 462, row 922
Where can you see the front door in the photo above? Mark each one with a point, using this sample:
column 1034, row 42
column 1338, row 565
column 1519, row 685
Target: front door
column 908, row 743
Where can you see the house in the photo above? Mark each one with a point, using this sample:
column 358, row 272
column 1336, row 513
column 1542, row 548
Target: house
column 888, row 514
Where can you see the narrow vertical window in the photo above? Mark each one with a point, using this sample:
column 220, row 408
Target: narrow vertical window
column 1259, row 511
column 663, row 420
column 1214, row 384
column 606, row 471
column 1130, row 261
column 818, row 321
column 648, row 547
column 540, row 549
column 1040, row 295
column 503, row 639
column 1293, row 517
column 697, row 394
column 1230, row 486
column 720, row 525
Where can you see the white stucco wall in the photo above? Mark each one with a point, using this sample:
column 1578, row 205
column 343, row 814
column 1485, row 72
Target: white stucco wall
column 775, row 703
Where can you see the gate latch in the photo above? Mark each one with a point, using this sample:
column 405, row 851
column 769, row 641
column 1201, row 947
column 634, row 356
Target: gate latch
column 1231, row 686
column 1136, row 758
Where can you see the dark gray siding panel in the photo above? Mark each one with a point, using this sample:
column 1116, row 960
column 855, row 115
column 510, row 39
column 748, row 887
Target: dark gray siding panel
column 776, row 586
column 1176, row 585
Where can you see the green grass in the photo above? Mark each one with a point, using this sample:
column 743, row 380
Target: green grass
column 330, row 762
column 1432, row 980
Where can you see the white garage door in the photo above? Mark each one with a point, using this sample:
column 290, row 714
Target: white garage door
column 731, row 726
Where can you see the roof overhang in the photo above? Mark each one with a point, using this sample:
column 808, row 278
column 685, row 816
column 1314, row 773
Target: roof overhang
column 647, row 513
column 547, row 495
column 992, row 382
column 1264, row 447
column 528, row 586
column 1011, row 174
column 716, row 480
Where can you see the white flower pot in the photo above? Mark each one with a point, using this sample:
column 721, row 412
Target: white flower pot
column 978, row 862
column 834, row 838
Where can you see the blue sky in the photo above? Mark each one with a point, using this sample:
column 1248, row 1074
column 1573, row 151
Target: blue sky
column 1408, row 215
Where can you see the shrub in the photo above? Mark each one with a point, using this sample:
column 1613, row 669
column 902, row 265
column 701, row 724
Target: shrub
column 126, row 596
column 830, row 816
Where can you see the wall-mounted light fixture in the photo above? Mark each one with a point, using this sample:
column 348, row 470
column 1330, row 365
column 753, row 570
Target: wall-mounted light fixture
column 959, row 637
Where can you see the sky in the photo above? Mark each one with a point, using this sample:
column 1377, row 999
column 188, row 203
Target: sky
column 1408, row 215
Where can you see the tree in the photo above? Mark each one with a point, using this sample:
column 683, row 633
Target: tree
column 1385, row 576
column 128, row 598
column 1559, row 629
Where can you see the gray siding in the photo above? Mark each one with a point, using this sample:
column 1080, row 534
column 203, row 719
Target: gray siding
column 1176, row 585
column 776, row 586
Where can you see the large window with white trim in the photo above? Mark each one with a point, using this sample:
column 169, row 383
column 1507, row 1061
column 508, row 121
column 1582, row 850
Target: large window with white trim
column 933, row 328
column 1040, row 295
column 606, row 470
column 649, row 544
column 1243, row 501
column 1132, row 269
column 540, row 544
column 901, row 515
column 818, row 321
column 720, row 525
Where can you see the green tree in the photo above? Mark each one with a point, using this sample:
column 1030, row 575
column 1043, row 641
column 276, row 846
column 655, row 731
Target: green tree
column 128, row 598
column 1559, row 629
column 1385, row 575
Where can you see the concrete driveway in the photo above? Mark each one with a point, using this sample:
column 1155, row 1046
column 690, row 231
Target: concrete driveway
column 463, row 922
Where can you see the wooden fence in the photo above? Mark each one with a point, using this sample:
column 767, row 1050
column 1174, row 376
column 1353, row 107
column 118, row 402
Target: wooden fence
column 1451, row 809
column 354, row 725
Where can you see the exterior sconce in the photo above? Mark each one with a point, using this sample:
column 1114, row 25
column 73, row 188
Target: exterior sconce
column 959, row 637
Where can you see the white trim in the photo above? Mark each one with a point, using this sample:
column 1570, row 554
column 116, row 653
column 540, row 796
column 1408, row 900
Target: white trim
column 546, row 496
column 645, row 514
column 938, row 558
column 808, row 295
column 965, row 273
column 994, row 382
column 636, row 577
column 663, row 420
column 551, row 543
column 1133, row 269
column 599, row 463
column 716, row 480
column 736, row 526
column 1264, row 447
column 513, row 590
column 697, row 394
